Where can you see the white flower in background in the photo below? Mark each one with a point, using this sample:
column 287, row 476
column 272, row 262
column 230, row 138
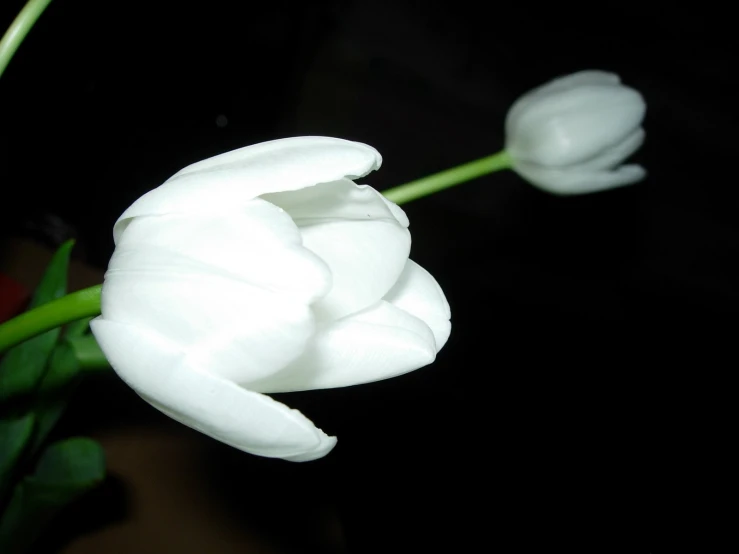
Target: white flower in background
column 266, row 269
column 571, row 135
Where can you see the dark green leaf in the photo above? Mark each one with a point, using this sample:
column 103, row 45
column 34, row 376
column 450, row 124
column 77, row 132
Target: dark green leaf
column 14, row 434
column 74, row 462
column 78, row 328
column 23, row 366
column 67, row 469
column 54, row 391
column 88, row 353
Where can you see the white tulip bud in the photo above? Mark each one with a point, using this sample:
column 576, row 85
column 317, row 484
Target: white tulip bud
column 571, row 135
column 266, row 269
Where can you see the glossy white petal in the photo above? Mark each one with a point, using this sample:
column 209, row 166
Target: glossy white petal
column 341, row 199
column 228, row 181
column 397, row 211
column 361, row 236
column 231, row 328
column 378, row 343
column 172, row 383
column 418, row 293
column 357, row 234
column 365, row 258
column 258, row 244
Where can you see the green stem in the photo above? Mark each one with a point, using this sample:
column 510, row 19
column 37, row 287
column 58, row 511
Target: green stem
column 83, row 303
column 19, row 29
column 448, row 178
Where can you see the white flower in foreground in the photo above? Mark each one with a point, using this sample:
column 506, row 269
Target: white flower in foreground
column 571, row 135
column 266, row 269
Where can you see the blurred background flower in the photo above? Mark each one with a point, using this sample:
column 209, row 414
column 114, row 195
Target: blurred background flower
column 573, row 134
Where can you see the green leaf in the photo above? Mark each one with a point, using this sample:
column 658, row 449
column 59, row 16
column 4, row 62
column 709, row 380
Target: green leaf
column 54, row 391
column 14, row 434
column 88, row 353
column 78, row 328
column 76, row 462
column 66, row 470
column 23, row 366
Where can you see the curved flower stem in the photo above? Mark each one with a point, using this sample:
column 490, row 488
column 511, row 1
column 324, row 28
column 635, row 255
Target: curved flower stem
column 19, row 29
column 74, row 306
column 448, row 178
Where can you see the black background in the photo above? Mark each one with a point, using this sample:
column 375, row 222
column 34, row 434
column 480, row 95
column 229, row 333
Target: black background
column 583, row 399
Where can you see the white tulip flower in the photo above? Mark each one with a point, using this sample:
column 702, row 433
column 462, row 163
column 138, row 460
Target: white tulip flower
column 262, row 270
column 571, row 135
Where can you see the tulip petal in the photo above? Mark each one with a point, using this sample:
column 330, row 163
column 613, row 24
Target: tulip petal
column 259, row 244
column 418, row 293
column 397, row 211
column 556, row 86
column 228, row 181
column 593, row 175
column 341, row 199
column 378, row 343
column 166, row 378
column 615, row 155
column 357, row 234
column 365, row 257
column 566, row 182
column 600, row 117
column 231, row 328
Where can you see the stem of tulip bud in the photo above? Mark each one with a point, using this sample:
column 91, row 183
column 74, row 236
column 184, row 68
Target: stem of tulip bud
column 448, row 178
column 19, row 29
column 74, row 306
